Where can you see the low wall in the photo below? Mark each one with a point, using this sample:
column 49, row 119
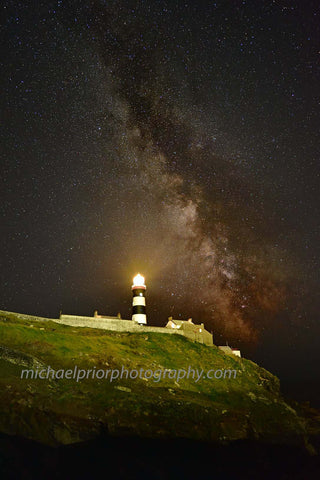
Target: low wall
column 113, row 324
column 116, row 324
column 119, row 325
column 196, row 336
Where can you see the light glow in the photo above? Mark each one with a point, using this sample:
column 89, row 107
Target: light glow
column 138, row 281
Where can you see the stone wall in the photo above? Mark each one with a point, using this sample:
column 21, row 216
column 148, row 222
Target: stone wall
column 113, row 323
column 196, row 336
column 118, row 325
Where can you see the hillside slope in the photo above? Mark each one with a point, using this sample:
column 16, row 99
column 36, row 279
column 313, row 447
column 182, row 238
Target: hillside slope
column 64, row 411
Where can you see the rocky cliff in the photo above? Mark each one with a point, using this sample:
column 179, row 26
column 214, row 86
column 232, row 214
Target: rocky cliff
column 63, row 411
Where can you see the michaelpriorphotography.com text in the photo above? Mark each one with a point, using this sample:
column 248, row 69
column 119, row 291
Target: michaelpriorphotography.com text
column 111, row 375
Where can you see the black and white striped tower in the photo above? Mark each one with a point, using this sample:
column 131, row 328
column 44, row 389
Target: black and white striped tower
column 139, row 300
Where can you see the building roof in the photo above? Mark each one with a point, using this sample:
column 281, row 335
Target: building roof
column 185, row 325
column 177, row 322
column 180, row 322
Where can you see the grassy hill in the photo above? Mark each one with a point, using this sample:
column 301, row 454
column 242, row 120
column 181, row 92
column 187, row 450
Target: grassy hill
column 64, row 411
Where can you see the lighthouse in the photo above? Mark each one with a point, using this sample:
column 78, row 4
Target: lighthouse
column 139, row 300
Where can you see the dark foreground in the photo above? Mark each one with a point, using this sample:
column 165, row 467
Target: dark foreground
column 133, row 458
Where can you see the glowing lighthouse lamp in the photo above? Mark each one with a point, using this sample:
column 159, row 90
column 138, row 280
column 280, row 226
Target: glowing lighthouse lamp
column 139, row 300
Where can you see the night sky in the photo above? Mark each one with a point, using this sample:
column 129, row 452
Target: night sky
column 176, row 139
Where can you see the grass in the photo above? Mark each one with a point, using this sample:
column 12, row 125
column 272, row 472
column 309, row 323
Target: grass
column 215, row 409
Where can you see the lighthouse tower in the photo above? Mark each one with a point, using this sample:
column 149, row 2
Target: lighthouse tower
column 139, row 300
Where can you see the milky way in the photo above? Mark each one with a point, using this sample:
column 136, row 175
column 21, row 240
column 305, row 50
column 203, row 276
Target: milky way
column 176, row 140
